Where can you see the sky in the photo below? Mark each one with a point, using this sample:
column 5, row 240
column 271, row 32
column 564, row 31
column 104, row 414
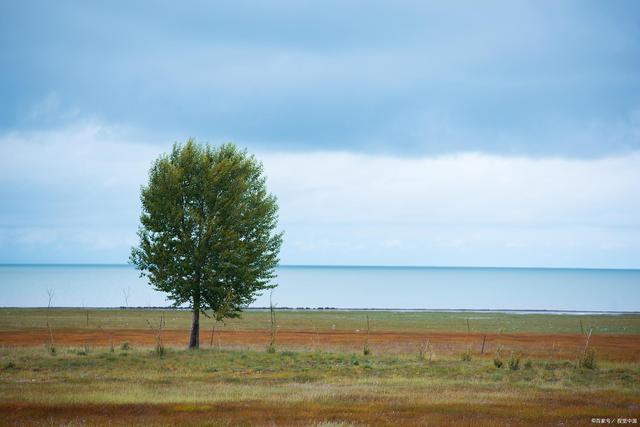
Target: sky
column 392, row 133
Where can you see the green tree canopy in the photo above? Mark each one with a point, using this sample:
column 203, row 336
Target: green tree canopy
column 207, row 230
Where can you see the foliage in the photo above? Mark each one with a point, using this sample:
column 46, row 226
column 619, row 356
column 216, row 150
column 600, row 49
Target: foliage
column 366, row 350
column 8, row 366
column 497, row 362
column 588, row 359
column 207, row 230
column 159, row 349
column 466, row 356
column 497, row 359
column 514, row 362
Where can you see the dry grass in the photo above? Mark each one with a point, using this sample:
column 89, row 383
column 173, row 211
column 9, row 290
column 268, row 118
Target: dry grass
column 317, row 377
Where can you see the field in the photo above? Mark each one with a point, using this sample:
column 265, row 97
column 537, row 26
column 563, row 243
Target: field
column 102, row 367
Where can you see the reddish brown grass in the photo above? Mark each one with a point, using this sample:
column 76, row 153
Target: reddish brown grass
column 568, row 411
column 558, row 346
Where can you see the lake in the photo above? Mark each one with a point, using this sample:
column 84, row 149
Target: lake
column 434, row 288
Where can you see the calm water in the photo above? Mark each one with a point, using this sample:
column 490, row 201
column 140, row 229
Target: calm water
column 348, row 287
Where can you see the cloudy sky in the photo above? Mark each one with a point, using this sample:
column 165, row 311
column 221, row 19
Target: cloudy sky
column 394, row 133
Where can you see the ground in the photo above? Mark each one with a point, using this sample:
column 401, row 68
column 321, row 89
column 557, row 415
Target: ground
column 105, row 369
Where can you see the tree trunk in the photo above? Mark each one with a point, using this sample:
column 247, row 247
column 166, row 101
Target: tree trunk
column 194, row 338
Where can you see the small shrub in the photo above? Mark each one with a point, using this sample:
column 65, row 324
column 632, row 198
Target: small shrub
column 514, row 362
column 588, row 359
column 497, row 359
column 528, row 364
column 271, row 348
column 9, row 366
column 422, row 351
column 51, row 349
column 366, row 350
column 160, row 349
column 125, row 346
column 466, row 356
column 497, row 362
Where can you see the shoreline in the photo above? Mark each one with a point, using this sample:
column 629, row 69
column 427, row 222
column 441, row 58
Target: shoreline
column 352, row 309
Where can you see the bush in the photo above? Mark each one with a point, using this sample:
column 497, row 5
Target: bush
column 466, row 356
column 125, row 346
column 422, row 351
column 271, row 348
column 514, row 362
column 366, row 351
column 160, row 349
column 528, row 364
column 497, row 359
column 588, row 359
column 9, row 366
column 497, row 362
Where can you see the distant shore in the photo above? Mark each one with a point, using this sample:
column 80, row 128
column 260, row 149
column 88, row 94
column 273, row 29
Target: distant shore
column 350, row 309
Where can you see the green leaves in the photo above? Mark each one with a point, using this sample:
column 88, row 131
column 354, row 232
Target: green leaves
column 207, row 228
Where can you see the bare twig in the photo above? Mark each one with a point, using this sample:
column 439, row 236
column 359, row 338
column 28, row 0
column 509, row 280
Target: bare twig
column 218, row 316
column 50, row 293
column 50, row 346
column 109, row 335
column 126, row 293
column 274, row 326
column 157, row 332
column 426, row 347
column 366, row 350
column 213, row 330
column 588, row 336
column 316, row 336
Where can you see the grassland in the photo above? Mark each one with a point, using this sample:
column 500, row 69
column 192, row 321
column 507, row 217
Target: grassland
column 331, row 320
column 319, row 374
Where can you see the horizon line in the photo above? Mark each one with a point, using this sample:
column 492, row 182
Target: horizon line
column 318, row 309
column 45, row 264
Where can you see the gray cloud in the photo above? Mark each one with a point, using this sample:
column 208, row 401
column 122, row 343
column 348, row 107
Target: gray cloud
column 406, row 78
column 71, row 195
column 505, row 133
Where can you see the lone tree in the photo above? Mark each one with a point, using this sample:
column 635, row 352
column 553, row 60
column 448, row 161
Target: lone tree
column 207, row 230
